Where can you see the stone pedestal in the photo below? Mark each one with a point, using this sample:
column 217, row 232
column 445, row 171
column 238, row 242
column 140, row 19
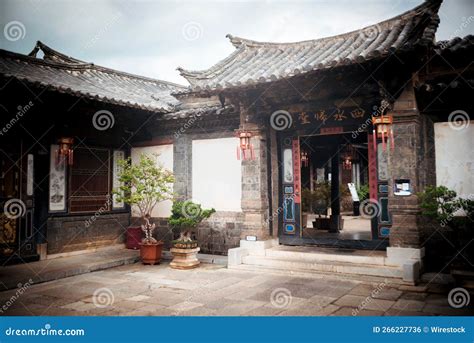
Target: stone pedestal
column 184, row 258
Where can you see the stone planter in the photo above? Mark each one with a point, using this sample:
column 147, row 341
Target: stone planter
column 151, row 253
column 184, row 258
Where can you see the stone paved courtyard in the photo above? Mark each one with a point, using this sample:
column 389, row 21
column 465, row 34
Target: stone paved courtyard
column 212, row 290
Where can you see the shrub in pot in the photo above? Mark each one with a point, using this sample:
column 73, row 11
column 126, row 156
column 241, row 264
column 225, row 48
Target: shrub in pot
column 185, row 217
column 144, row 185
column 450, row 217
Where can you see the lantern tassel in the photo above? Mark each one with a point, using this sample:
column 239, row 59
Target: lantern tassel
column 392, row 141
column 374, row 139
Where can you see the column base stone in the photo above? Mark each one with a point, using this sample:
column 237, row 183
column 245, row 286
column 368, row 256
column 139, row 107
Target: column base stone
column 235, row 255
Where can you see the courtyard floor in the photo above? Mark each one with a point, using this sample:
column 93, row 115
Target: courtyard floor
column 213, row 290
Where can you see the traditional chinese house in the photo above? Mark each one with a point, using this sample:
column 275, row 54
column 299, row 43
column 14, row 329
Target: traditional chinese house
column 270, row 134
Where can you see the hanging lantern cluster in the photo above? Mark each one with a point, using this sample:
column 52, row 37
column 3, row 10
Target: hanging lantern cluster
column 304, row 158
column 348, row 156
column 245, row 149
column 65, row 152
column 383, row 129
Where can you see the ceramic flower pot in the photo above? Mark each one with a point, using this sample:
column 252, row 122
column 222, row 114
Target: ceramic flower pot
column 151, row 253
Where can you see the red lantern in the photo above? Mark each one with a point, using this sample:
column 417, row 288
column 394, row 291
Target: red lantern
column 347, row 157
column 245, row 149
column 65, row 153
column 383, row 129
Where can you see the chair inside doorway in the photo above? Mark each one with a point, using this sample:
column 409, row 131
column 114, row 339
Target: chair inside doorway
column 334, row 181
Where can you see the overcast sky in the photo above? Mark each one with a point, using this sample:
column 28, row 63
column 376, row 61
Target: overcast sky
column 152, row 38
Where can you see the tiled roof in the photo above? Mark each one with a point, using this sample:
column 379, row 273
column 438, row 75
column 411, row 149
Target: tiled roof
column 455, row 45
column 69, row 75
column 199, row 112
column 258, row 62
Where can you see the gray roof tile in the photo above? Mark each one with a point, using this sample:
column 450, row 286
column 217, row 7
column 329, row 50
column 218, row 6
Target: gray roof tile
column 256, row 62
column 69, row 75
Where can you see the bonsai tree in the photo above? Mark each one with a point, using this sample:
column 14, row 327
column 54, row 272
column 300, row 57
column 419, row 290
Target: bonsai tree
column 144, row 185
column 439, row 202
column 186, row 216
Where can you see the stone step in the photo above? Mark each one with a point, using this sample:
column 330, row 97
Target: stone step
column 316, row 255
column 324, row 266
column 313, row 274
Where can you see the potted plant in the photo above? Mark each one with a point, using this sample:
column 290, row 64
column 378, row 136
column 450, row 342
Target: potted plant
column 321, row 199
column 452, row 218
column 144, row 185
column 185, row 217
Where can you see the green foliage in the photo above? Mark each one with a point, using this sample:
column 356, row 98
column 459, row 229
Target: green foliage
column 318, row 199
column 439, row 202
column 186, row 215
column 363, row 192
column 468, row 206
column 143, row 184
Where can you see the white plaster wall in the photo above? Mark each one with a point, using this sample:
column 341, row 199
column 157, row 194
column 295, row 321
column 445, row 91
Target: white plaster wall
column 217, row 174
column 455, row 158
column 165, row 159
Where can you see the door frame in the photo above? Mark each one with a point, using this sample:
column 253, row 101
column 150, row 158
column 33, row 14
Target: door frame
column 296, row 238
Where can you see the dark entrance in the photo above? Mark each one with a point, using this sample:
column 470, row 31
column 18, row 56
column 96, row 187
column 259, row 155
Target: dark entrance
column 17, row 236
column 318, row 205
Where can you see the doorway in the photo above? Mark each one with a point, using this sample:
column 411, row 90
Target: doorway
column 325, row 182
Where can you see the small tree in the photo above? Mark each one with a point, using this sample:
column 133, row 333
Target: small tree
column 186, row 216
column 144, row 185
column 438, row 202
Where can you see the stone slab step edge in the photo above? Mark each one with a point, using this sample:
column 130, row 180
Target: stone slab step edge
column 64, row 273
column 321, row 256
column 314, row 274
column 325, row 266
